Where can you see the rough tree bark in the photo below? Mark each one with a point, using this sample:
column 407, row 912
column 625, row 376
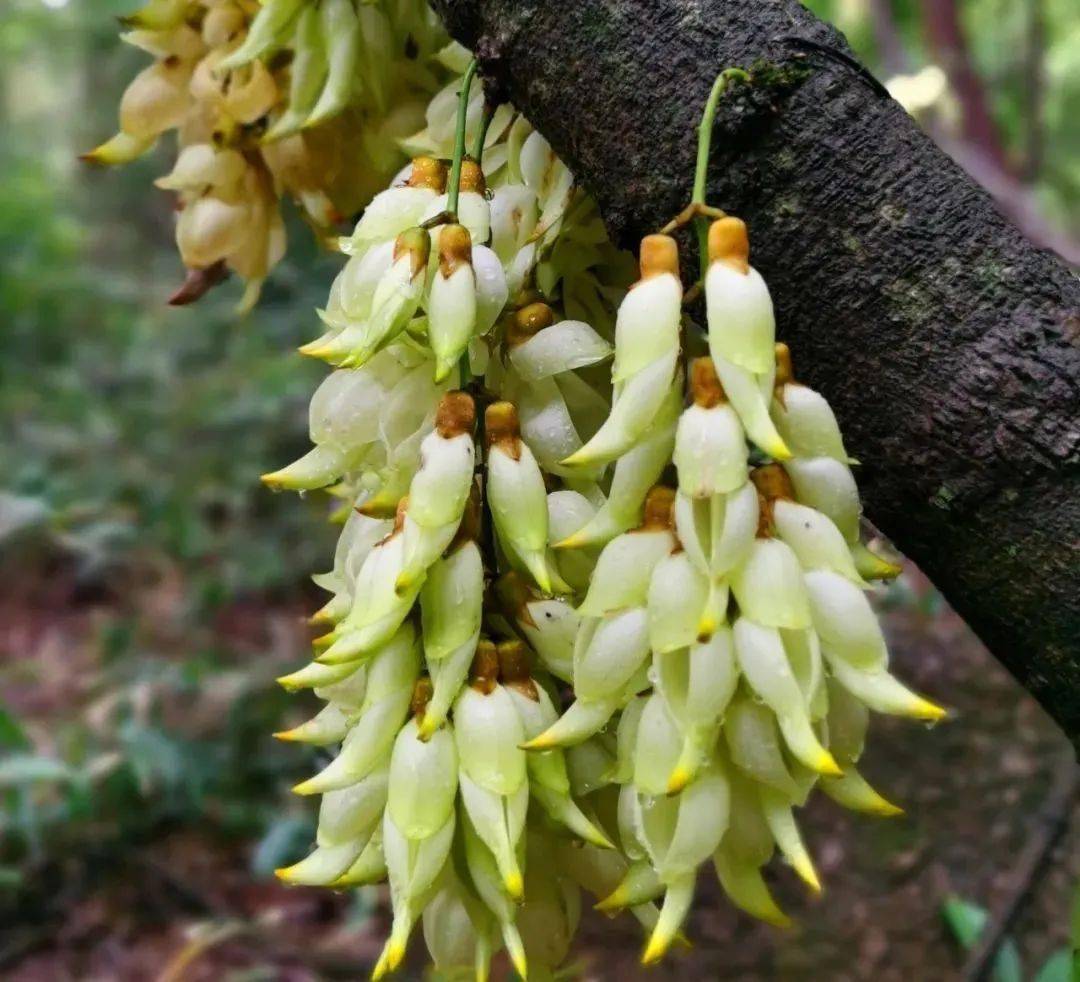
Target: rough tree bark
column 948, row 345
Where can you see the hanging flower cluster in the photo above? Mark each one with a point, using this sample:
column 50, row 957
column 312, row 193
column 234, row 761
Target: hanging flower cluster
column 590, row 626
column 305, row 99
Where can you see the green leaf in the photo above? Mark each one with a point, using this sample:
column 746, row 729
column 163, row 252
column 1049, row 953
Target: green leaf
column 1061, row 966
column 966, row 921
column 11, row 732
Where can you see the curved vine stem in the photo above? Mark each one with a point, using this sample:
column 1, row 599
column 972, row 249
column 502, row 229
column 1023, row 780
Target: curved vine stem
column 705, row 128
column 481, row 137
column 453, row 185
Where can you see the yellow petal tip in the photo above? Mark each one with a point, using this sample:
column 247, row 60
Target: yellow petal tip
column 679, row 779
column 826, row 764
column 514, row 885
column 927, row 710
column 656, row 949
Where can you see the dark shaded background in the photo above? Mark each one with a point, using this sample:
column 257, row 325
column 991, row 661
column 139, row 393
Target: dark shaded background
column 151, row 590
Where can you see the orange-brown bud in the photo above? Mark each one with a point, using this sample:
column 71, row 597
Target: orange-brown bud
column 772, row 482
column 784, row 371
column 455, row 248
column 417, row 243
column 705, row 387
column 659, row 509
column 456, row 414
column 421, row 696
column 527, row 322
column 514, row 668
column 484, row 672
column 472, row 177
column 729, row 243
column 659, row 254
column 502, row 429
column 427, row 172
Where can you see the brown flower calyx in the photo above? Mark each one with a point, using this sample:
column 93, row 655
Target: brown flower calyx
column 527, row 322
column 658, row 254
column 484, row 672
column 417, row 243
column 472, row 177
column 772, row 485
column 455, row 249
column 659, row 510
column 514, row 668
column 427, row 172
column 513, row 593
column 421, row 696
column 705, row 387
column 502, row 429
column 729, row 244
column 785, row 373
column 456, row 414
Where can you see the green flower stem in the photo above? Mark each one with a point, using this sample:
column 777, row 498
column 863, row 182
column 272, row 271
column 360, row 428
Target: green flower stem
column 481, row 137
column 454, row 183
column 705, row 128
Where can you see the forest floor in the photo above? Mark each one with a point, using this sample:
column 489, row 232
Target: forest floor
column 182, row 904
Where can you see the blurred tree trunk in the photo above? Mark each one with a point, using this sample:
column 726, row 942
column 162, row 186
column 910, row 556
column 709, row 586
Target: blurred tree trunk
column 948, row 345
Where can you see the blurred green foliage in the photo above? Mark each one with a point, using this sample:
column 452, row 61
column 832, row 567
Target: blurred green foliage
column 998, row 35
column 132, row 439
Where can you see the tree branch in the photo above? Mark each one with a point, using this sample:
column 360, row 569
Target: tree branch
column 948, row 345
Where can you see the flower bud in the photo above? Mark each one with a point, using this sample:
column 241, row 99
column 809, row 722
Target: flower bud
column 553, row 348
column 647, row 324
column 752, row 740
column 845, row 621
column 827, row 485
column 710, row 448
column 608, row 654
column 489, row 735
column 697, row 687
column 440, row 487
column 451, row 601
column 765, row 666
column 742, row 327
column 814, row 539
column 802, row 416
column 769, row 586
column 621, row 576
column 658, row 747
column 423, row 781
column 678, row 594
column 516, row 493
column 452, row 301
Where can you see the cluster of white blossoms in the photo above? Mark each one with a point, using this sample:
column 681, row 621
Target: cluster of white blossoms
column 590, row 625
column 583, row 635
column 306, row 99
